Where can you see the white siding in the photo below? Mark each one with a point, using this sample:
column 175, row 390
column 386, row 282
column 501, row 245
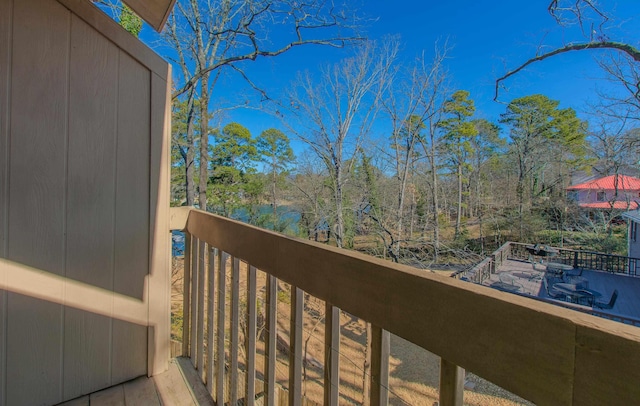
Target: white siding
column 83, row 207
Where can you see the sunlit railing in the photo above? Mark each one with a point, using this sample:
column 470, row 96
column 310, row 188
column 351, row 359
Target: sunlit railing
column 543, row 353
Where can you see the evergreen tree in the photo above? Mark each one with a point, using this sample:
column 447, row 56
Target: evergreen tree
column 275, row 151
column 459, row 133
column 538, row 130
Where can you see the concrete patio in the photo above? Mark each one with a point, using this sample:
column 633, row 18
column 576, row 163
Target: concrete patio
column 524, row 278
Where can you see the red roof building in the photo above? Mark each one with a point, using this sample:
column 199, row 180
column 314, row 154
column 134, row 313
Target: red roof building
column 619, row 192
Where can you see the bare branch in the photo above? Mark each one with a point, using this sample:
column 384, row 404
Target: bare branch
column 617, row 46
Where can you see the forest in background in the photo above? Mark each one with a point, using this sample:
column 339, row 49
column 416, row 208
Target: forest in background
column 441, row 182
column 391, row 158
column 396, row 162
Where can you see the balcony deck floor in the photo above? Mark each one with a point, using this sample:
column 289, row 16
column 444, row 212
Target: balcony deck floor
column 530, row 281
column 179, row 386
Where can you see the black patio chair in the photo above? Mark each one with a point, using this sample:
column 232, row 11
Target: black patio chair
column 574, row 272
column 551, row 292
column 612, row 302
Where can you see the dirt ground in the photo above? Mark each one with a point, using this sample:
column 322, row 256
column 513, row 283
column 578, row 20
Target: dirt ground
column 414, row 372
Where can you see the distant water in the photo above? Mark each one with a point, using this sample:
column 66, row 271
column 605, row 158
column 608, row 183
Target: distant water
column 177, row 243
column 285, row 214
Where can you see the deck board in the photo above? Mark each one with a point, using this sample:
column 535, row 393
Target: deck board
column 113, row 396
column 141, row 391
column 171, row 387
column 81, row 401
column 526, row 283
column 178, row 386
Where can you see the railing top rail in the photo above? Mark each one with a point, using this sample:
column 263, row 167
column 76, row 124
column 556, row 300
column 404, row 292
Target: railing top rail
column 504, row 246
column 578, row 251
column 536, row 345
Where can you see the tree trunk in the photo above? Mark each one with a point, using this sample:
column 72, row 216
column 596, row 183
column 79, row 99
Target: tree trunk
column 339, row 230
column 459, row 211
column 520, row 193
column 274, row 203
column 204, row 142
column 434, row 183
column 190, row 172
column 400, row 213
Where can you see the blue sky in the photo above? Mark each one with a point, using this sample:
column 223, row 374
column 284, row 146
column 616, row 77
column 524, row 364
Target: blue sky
column 488, row 38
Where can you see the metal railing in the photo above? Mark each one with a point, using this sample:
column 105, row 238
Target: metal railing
column 543, row 353
column 580, row 259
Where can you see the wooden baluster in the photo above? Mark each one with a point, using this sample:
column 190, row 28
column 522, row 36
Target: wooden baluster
column 295, row 347
column 270, row 340
column 202, row 249
column 194, row 302
column 451, row 384
column 331, row 355
column 222, row 298
column 380, row 348
column 235, row 326
column 252, row 323
column 186, row 295
column 214, row 256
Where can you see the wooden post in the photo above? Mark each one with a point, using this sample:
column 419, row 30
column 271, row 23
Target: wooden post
column 235, row 325
column 295, row 347
column 222, row 298
column 252, row 323
column 331, row 355
column 451, row 384
column 202, row 250
column 186, row 297
column 380, row 349
column 270, row 341
column 214, row 256
column 194, row 302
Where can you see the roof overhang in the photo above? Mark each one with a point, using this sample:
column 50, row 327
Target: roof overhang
column 154, row 12
column 632, row 215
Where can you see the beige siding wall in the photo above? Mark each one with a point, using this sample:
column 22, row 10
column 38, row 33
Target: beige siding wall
column 5, row 55
column 84, row 240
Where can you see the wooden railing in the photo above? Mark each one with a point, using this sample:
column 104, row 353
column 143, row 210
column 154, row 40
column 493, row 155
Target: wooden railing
column 582, row 259
column 541, row 352
column 483, row 270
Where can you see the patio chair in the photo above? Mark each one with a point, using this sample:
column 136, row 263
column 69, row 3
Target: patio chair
column 574, row 272
column 551, row 292
column 612, row 302
column 507, row 283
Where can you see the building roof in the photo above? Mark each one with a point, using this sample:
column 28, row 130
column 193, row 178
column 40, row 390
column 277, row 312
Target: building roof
column 154, row 12
column 619, row 205
column 609, row 183
column 633, row 215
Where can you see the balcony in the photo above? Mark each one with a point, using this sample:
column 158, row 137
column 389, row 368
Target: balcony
column 84, row 289
column 235, row 273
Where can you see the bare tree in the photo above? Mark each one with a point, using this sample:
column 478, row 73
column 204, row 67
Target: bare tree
column 432, row 148
column 210, row 35
column 411, row 102
column 615, row 147
column 310, row 192
column 335, row 114
column 594, row 25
